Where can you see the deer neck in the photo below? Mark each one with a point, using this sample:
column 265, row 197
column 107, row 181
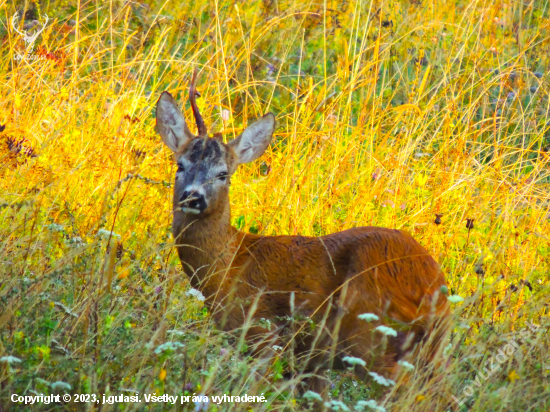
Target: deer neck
column 206, row 248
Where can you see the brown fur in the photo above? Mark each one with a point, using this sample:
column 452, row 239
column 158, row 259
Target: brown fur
column 386, row 271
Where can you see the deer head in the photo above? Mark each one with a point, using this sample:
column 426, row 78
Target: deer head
column 205, row 165
column 28, row 38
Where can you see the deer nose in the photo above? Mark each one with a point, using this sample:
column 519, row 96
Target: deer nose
column 193, row 200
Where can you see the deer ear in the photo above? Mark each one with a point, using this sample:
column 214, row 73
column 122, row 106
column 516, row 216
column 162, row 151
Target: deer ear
column 252, row 143
column 170, row 123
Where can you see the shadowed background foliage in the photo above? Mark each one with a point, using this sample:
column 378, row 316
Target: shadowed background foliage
column 430, row 116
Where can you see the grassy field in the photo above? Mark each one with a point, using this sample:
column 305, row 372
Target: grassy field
column 431, row 116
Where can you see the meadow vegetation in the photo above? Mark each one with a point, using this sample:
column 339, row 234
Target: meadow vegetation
column 430, row 116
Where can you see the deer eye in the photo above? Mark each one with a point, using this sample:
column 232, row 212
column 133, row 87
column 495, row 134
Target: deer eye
column 181, row 168
column 222, row 176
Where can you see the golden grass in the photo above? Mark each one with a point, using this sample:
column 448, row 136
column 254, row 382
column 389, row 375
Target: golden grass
column 389, row 112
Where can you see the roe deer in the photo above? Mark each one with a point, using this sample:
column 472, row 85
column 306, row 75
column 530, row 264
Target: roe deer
column 331, row 279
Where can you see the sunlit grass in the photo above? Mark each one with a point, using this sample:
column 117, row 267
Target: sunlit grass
column 389, row 113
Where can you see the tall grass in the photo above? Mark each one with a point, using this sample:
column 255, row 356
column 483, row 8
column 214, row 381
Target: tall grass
column 415, row 115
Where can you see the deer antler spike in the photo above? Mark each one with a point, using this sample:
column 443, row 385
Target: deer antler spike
column 192, row 95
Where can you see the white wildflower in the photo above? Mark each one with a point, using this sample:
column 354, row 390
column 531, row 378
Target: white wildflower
column 75, row 241
column 226, row 115
column 168, row 346
column 337, row 406
column 176, row 332
column 313, row 396
column 381, row 380
column 386, row 330
column 195, row 293
column 54, row 227
column 10, row 359
column 42, row 381
column 201, row 405
column 354, row 361
column 368, row 317
column 66, row 309
column 455, row 298
column 277, row 347
column 61, row 386
column 266, row 323
column 406, row 365
column 105, row 234
column 371, row 404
